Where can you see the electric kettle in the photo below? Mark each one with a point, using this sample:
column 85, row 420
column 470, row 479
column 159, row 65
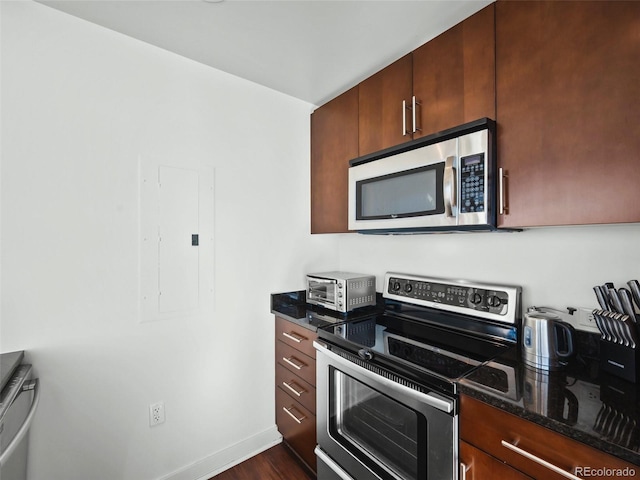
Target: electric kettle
column 547, row 342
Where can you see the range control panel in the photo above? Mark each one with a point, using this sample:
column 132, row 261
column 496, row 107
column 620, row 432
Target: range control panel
column 487, row 301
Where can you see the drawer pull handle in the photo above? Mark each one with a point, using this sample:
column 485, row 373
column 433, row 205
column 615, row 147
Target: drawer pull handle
column 294, row 336
column 295, row 392
column 294, row 362
column 463, row 471
column 288, row 412
column 539, row 461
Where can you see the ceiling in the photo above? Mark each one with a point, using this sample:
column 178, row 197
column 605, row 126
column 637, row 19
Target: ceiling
column 311, row 50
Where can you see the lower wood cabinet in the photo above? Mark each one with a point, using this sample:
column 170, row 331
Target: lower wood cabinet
column 297, row 426
column 478, row 465
column 295, row 389
column 532, row 450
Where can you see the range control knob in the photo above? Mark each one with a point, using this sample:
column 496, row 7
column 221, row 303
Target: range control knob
column 476, row 298
column 494, row 301
column 365, row 354
column 396, row 286
column 408, row 287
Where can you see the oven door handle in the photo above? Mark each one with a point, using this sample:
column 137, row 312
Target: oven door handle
column 328, row 461
column 432, row 399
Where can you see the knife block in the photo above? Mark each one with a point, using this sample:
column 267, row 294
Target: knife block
column 618, row 360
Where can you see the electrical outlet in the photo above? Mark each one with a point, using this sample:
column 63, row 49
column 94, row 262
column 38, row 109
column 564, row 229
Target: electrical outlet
column 586, row 320
column 156, row 414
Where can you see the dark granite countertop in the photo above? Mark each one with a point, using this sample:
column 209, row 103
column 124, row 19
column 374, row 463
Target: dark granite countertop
column 579, row 401
column 292, row 306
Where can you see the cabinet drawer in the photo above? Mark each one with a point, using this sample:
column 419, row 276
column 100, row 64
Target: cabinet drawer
column 296, row 336
column 481, row 466
column 512, row 440
column 297, row 426
column 296, row 387
column 296, row 362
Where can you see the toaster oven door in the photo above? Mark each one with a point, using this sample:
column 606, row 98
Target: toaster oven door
column 322, row 291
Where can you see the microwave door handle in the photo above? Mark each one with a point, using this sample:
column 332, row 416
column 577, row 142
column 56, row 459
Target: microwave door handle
column 449, row 186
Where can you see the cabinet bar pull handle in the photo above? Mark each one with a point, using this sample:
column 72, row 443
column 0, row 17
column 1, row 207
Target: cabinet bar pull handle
column 539, row 461
column 463, row 471
column 415, row 105
column 502, row 208
column 297, row 364
column 404, row 118
column 288, row 412
column 295, row 392
column 294, row 336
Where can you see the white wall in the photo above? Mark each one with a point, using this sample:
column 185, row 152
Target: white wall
column 81, row 106
column 556, row 266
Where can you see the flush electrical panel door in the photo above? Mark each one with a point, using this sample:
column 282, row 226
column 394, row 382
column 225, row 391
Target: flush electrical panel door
column 178, row 263
column 176, row 240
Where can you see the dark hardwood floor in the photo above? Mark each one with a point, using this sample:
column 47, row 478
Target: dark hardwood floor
column 276, row 463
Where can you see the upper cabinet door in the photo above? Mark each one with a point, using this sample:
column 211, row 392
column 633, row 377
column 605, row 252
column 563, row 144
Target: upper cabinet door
column 382, row 114
column 454, row 75
column 568, row 106
column 334, row 141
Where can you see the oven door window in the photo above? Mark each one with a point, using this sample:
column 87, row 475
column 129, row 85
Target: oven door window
column 410, row 193
column 384, row 434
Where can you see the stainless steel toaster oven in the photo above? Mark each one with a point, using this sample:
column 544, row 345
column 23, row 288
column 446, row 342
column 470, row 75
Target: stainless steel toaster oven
column 341, row 291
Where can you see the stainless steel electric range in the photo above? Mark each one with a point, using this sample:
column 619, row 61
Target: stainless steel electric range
column 386, row 383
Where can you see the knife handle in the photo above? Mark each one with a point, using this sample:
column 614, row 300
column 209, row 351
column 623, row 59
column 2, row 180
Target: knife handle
column 634, row 285
column 630, row 330
column 615, row 300
column 619, row 329
column 627, row 303
column 604, row 334
column 602, row 300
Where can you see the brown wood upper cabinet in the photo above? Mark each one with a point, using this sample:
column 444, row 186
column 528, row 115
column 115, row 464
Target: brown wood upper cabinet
column 381, row 114
column 568, row 114
column 447, row 82
column 334, row 141
column 454, row 75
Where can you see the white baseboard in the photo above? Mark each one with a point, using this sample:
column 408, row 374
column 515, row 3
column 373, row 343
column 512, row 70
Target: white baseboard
column 224, row 459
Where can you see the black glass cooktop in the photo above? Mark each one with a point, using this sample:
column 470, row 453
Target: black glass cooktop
column 426, row 348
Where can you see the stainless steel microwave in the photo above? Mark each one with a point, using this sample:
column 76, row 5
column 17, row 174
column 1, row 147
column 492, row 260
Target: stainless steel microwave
column 443, row 182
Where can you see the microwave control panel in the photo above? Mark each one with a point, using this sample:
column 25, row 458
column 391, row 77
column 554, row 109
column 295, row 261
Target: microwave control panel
column 472, row 183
